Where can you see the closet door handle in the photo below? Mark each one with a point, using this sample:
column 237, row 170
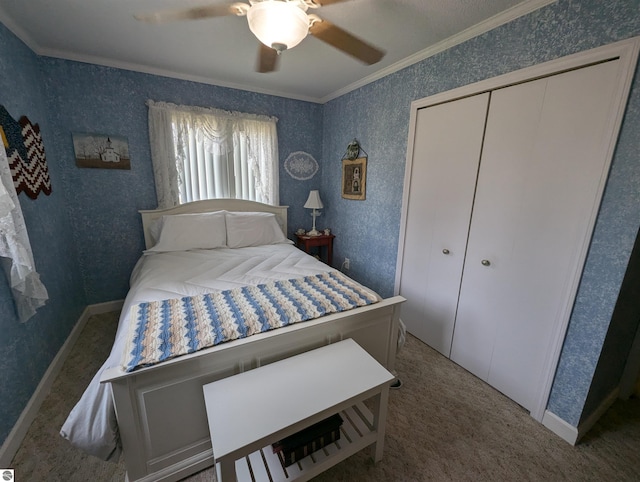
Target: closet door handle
column 485, row 262
column 445, row 251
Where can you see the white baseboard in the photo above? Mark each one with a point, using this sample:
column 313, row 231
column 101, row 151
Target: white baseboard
column 561, row 428
column 106, row 307
column 572, row 434
column 17, row 434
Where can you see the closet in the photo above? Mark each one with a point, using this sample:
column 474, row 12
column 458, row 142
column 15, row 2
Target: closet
column 501, row 193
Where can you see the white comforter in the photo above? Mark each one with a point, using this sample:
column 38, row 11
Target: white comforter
column 92, row 424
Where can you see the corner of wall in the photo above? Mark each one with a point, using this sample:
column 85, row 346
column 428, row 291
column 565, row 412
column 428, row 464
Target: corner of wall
column 11, row 445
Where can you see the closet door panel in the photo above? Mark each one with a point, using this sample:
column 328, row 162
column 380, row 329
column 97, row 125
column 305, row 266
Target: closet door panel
column 446, row 154
column 497, row 213
column 543, row 160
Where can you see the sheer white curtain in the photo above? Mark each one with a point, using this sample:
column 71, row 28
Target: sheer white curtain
column 201, row 153
column 28, row 291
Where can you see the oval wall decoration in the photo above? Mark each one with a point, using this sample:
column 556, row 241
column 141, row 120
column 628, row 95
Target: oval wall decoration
column 301, row 165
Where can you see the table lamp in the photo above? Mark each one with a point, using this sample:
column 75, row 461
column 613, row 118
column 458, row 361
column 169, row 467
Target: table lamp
column 314, row 202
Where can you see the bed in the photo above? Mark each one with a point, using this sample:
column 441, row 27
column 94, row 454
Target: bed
column 155, row 412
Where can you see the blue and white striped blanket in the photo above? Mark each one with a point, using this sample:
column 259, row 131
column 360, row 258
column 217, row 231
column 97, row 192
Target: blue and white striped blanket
column 166, row 329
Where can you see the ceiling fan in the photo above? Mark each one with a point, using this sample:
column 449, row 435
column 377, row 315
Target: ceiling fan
column 279, row 25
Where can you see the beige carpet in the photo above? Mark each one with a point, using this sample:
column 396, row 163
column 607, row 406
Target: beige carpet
column 443, row 425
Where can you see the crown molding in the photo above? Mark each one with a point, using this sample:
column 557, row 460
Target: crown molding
column 144, row 69
column 502, row 18
column 18, row 31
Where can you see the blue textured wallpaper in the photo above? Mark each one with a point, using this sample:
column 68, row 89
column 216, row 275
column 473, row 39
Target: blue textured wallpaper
column 620, row 336
column 86, row 236
column 378, row 116
column 104, row 203
column 26, row 350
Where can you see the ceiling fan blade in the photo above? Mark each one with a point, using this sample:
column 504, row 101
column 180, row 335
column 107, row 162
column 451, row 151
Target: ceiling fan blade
column 267, row 59
column 195, row 13
column 343, row 40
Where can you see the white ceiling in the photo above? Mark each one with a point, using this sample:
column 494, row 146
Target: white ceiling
column 222, row 51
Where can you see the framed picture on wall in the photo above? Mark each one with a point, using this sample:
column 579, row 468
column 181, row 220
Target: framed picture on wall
column 354, row 178
column 101, row 151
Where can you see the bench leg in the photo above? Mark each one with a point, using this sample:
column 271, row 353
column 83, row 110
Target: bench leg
column 380, row 403
column 227, row 472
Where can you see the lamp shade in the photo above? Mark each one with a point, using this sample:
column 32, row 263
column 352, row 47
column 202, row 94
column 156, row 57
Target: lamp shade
column 277, row 24
column 313, row 202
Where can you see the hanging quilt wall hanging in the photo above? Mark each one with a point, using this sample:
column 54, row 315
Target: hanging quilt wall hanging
column 354, row 172
column 25, row 152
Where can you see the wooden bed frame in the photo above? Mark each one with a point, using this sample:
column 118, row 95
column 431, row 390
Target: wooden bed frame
column 160, row 409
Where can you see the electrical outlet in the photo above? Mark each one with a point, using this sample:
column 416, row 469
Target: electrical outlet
column 347, row 263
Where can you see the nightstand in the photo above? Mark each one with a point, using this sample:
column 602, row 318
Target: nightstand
column 307, row 242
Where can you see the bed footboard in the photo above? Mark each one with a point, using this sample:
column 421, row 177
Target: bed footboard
column 160, row 409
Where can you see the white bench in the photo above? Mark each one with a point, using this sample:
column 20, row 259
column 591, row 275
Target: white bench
column 249, row 411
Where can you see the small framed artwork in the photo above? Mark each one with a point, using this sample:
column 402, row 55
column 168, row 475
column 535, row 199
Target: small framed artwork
column 354, row 178
column 101, row 151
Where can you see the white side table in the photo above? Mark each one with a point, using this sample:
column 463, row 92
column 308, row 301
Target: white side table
column 249, row 411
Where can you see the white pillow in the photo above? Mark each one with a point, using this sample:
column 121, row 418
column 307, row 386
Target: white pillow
column 154, row 230
column 182, row 232
column 253, row 229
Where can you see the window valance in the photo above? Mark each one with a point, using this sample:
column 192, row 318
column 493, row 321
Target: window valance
column 178, row 132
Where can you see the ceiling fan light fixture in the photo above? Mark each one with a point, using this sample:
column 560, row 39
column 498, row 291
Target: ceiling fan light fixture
column 278, row 24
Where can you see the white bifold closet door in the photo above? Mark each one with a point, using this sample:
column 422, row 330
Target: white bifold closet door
column 446, row 155
column 502, row 194
column 543, row 159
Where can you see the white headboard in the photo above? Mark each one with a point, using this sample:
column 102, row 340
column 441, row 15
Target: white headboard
column 212, row 205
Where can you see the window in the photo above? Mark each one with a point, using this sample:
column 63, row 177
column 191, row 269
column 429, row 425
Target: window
column 201, row 153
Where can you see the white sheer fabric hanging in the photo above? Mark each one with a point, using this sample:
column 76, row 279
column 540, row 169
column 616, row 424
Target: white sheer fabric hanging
column 262, row 144
column 201, row 153
column 15, row 249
